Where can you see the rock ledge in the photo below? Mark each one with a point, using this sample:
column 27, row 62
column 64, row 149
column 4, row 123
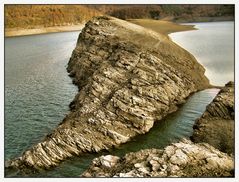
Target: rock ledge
column 183, row 159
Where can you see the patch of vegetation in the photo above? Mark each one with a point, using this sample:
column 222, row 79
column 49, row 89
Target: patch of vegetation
column 175, row 12
column 33, row 16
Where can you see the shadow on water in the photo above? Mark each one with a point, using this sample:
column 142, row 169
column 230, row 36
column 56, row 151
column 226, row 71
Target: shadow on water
column 173, row 128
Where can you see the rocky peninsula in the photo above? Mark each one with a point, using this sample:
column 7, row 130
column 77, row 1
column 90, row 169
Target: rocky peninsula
column 128, row 78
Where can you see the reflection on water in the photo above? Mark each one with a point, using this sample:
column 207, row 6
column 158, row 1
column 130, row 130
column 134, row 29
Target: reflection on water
column 213, row 46
column 37, row 87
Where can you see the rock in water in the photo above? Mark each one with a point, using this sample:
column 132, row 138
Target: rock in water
column 216, row 125
column 128, row 77
column 183, row 159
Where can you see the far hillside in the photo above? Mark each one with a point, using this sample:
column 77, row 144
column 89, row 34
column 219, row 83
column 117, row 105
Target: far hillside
column 34, row 16
column 179, row 13
column 38, row 16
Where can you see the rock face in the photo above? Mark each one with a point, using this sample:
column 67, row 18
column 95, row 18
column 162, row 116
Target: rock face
column 216, row 125
column 183, row 159
column 128, row 78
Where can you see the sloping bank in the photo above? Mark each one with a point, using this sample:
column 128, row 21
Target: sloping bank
column 217, row 125
column 213, row 130
column 128, row 78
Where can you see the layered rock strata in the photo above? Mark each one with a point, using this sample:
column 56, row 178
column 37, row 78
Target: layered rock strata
column 128, row 78
column 216, row 125
column 183, row 159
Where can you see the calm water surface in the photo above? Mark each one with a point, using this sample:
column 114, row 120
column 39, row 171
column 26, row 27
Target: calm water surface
column 38, row 92
column 37, row 87
column 213, row 46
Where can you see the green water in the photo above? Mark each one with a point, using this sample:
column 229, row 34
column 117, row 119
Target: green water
column 38, row 89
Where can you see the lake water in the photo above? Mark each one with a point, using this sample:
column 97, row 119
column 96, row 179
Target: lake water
column 213, row 46
column 38, row 92
column 37, row 87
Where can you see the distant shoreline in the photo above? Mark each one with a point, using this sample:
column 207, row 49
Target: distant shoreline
column 162, row 26
column 170, row 27
column 205, row 19
column 15, row 32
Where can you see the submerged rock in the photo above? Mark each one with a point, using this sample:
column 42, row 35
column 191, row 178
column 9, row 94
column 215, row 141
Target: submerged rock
column 216, row 125
column 128, row 78
column 183, row 159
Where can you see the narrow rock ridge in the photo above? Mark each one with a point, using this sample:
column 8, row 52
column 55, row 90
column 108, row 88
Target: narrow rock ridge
column 216, row 126
column 182, row 159
column 128, row 78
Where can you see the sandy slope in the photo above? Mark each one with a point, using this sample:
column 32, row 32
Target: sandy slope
column 163, row 27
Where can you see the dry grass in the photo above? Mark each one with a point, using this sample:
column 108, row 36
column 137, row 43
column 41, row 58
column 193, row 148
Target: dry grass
column 38, row 16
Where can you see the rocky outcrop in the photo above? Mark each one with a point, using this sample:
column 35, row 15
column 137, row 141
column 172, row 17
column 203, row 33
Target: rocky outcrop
column 128, row 78
column 183, row 159
column 216, row 125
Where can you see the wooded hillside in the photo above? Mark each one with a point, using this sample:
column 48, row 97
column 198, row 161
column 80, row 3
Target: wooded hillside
column 32, row 16
column 171, row 11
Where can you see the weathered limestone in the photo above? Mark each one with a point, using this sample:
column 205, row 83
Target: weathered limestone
column 183, row 159
column 216, row 125
column 128, row 78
